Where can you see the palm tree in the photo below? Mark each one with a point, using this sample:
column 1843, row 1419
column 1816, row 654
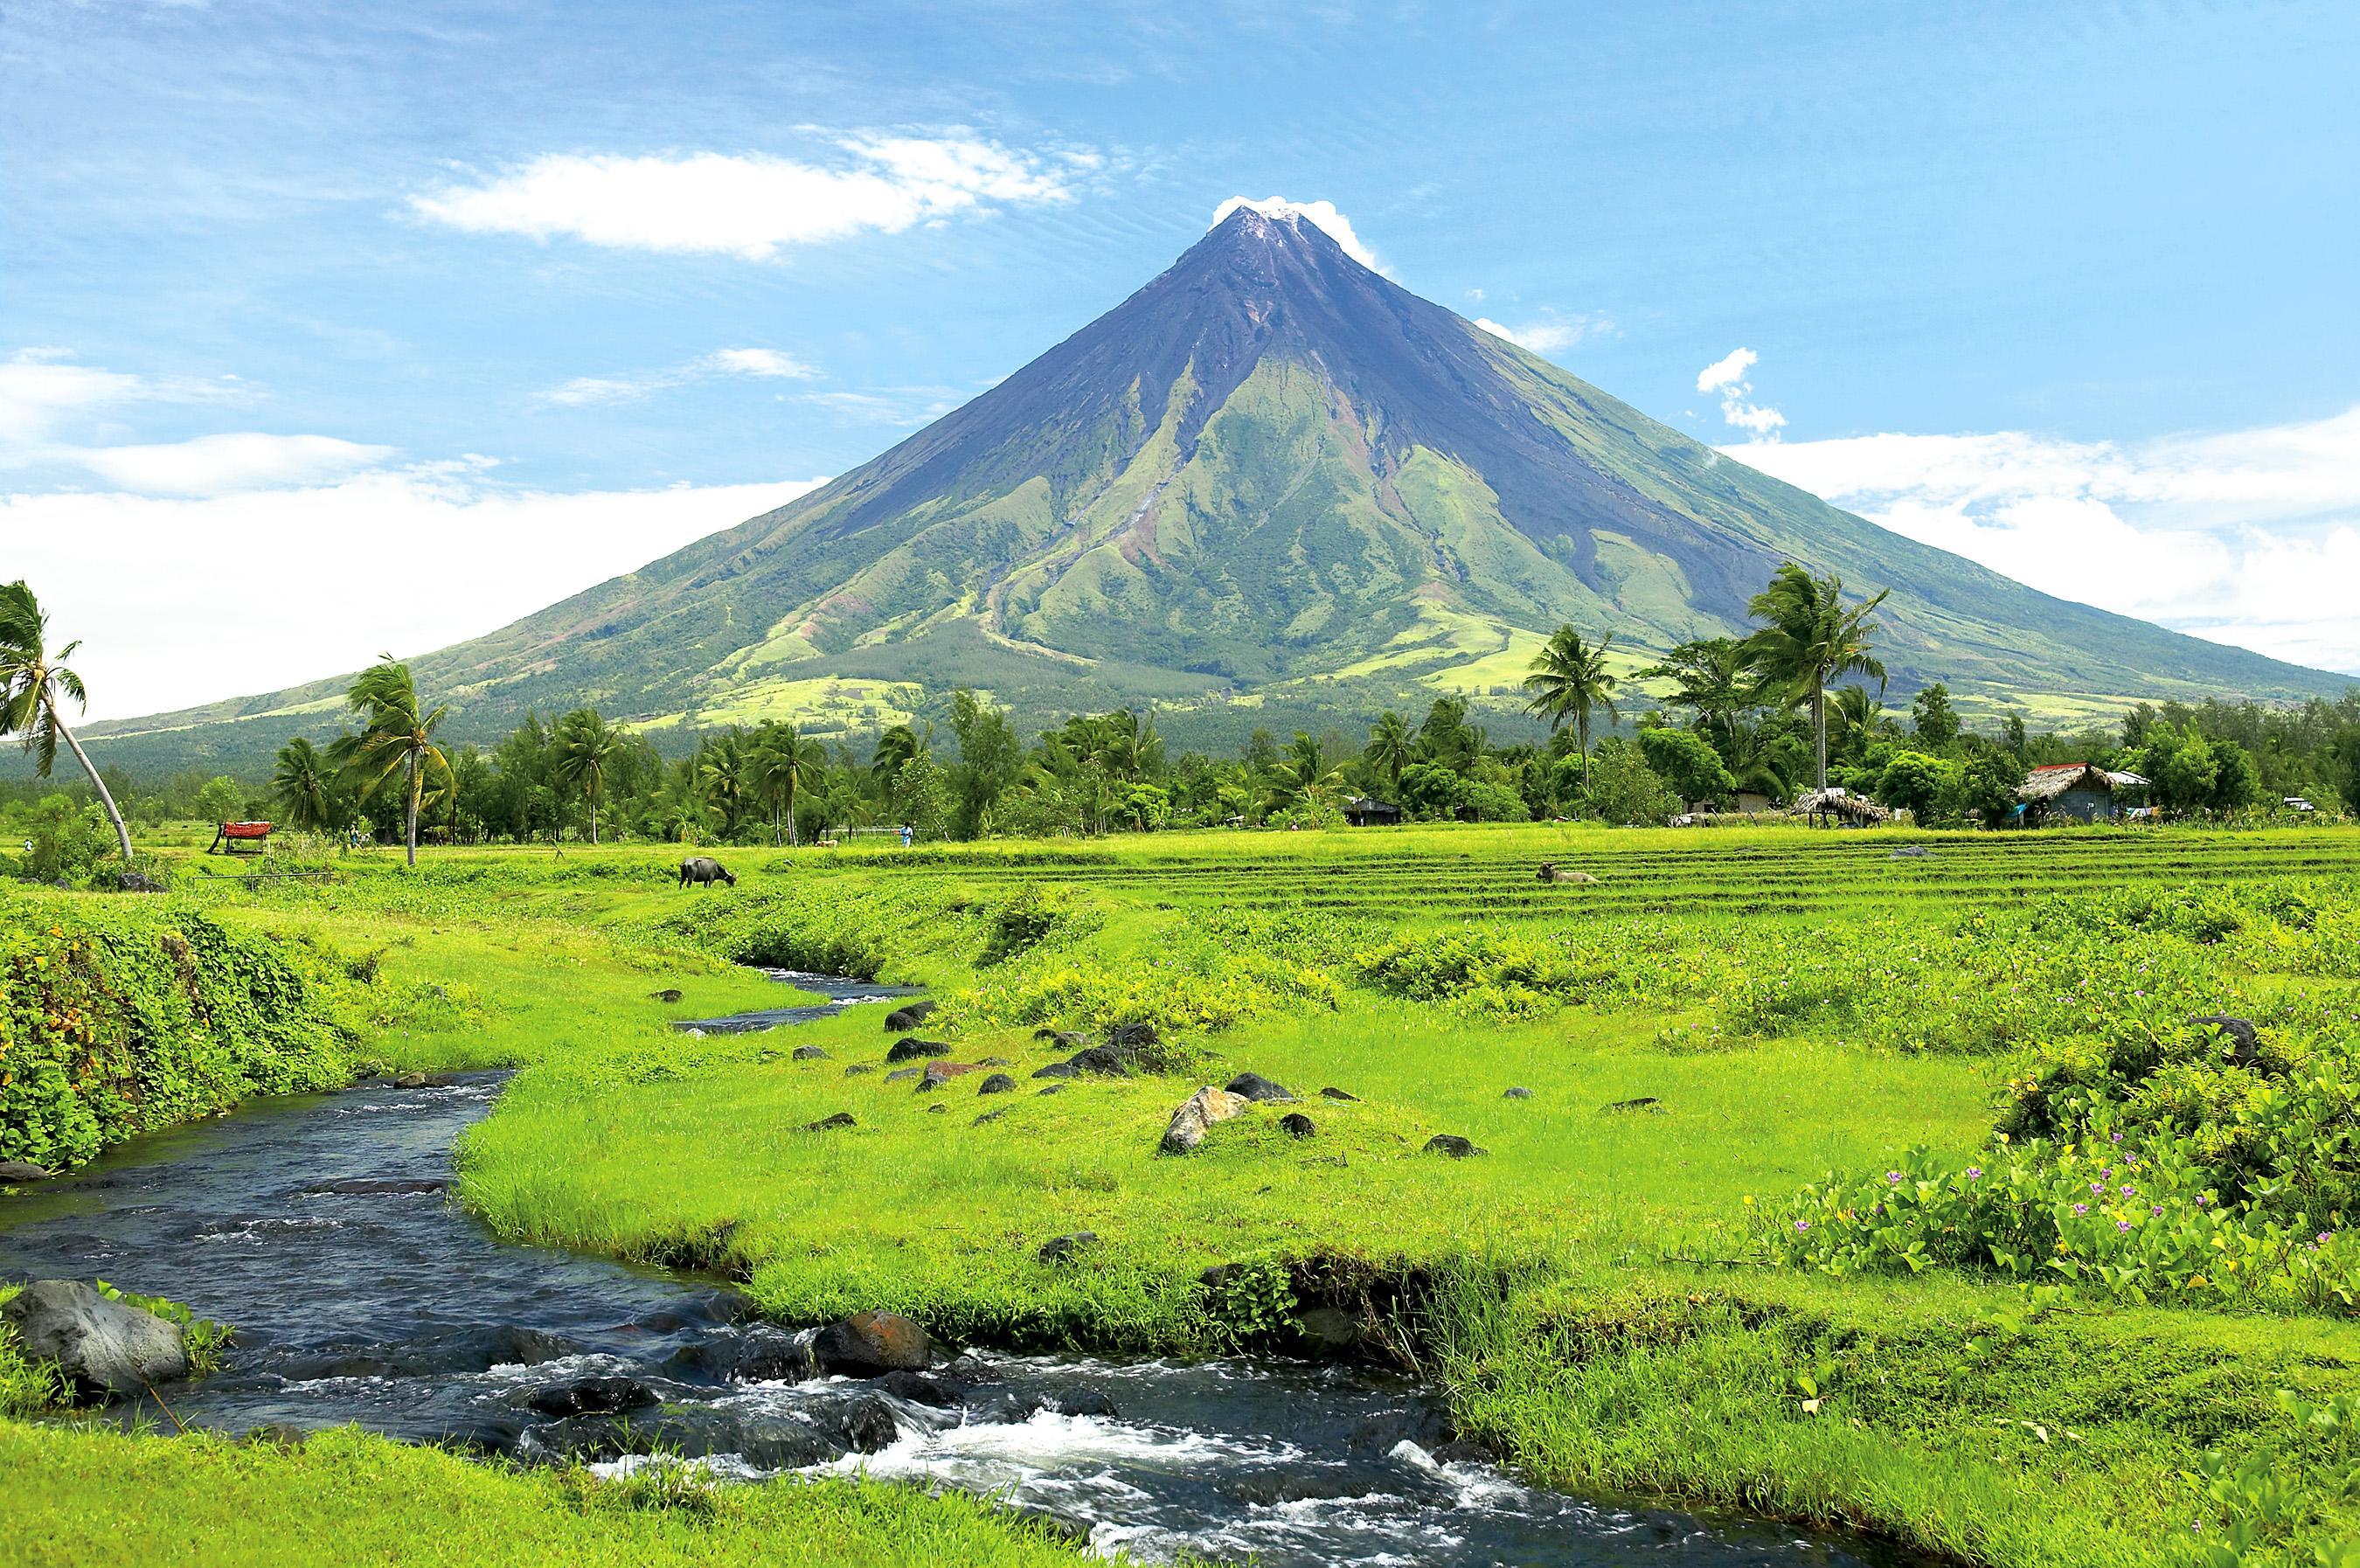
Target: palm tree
column 1304, row 778
column 395, row 735
column 785, row 765
column 1716, row 677
column 1853, row 717
column 31, row 680
column 586, row 747
column 303, row 781
column 1569, row 679
column 725, row 774
column 896, row 746
column 1392, row 747
column 1809, row 638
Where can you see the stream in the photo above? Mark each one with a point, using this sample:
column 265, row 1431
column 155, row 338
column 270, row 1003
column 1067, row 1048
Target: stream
column 322, row 1227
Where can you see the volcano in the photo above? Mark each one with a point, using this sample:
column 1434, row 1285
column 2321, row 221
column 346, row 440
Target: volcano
column 1271, row 486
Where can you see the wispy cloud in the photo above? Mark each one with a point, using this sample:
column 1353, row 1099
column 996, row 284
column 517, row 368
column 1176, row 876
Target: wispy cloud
column 903, row 406
column 1727, row 376
column 1321, row 215
column 753, row 205
column 2247, row 537
column 1553, row 333
column 764, row 363
column 43, row 391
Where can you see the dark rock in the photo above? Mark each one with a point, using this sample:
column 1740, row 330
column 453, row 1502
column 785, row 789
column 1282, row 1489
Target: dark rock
column 590, row 1396
column 809, row 1053
column 1327, row 1331
column 1104, row 1060
column 1451, row 1144
column 1054, row 1089
column 1058, row 1248
column 901, row 1074
column 995, row 1061
column 102, row 1347
column 1057, row 1070
column 2242, row 1045
column 1067, row 1038
column 472, row 1349
column 1331, row 1093
column 902, row 1019
column 858, row 1068
column 938, row 1109
column 1518, row 1093
column 870, row 1343
column 1004, row 1406
column 16, row 1173
column 1462, row 1453
column 919, row 1389
column 1647, row 1102
column 841, row 1120
column 1219, row 1274
column 1084, row 1402
column 668, row 995
column 1254, row 1086
column 997, row 1083
column 990, row 1116
column 870, row 1426
column 372, row 1187
column 912, row 1048
column 1295, row 1123
column 410, row 1080
column 1131, row 1036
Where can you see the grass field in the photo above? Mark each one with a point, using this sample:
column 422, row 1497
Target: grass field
column 1602, row 1290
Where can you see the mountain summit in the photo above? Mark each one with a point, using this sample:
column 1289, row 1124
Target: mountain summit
column 1271, row 482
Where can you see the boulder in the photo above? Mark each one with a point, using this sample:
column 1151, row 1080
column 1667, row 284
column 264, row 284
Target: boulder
column 1059, row 1248
column 16, row 1173
column 991, row 1116
column 1198, row 1114
column 590, row 1396
column 2240, row 1043
column 995, row 1062
column 902, row 1020
column 912, row 1048
column 1103, row 1059
column 1131, row 1036
column 410, row 1080
column 871, row 1344
column 1254, row 1086
column 809, row 1053
column 997, row 1083
column 841, row 1120
column 870, row 1426
column 1518, row 1093
column 1054, row 1089
column 1332, row 1092
column 102, row 1347
column 1057, row 1070
column 920, row 1388
column 668, row 995
column 1451, row 1144
column 901, row 1074
column 1329, row 1331
column 1067, row 1038
column 1295, row 1123
column 858, row 1068
column 938, row 1109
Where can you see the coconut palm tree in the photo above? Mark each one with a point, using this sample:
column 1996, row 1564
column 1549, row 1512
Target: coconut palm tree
column 1304, row 778
column 1392, row 747
column 395, row 736
column 896, row 746
column 1569, row 679
column 785, row 765
column 1810, row 636
column 31, row 678
column 725, row 774
column 1853, row 717
column 583, row 747
column 305, row 784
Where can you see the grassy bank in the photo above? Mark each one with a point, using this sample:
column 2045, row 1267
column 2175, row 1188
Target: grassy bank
column 1596, row 1289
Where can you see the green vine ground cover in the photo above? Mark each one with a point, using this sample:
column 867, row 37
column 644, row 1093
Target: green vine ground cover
column 1610, row 1295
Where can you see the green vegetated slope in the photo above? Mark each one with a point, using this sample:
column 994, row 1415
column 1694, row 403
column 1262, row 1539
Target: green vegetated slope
column 1269, row 474
column 1725, row 1029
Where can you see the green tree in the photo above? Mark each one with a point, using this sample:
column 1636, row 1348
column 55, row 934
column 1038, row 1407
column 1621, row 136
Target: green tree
column 1569, row 679
column 396, row 736
column 1715, row 679
column 305, row 785
column 1687, row 763
column 725, row 775
column 2235, row 780
column 1619, row 786
column 990, row 761
column 1931, row 718
column 221, row 801
column 895, row 746
column 1911, row 782
column 31, row 680
column 1392, row 748
column 1810, row 636
column 922, row 797
column 586, row 747
column 785, row 764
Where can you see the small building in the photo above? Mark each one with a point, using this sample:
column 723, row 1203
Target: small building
column 2074, row 791
column 1839, row 807
column 1752, row 803
column 1366, row 810
column 2296, row 804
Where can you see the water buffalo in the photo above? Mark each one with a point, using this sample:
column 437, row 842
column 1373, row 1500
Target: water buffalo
column 703, row 869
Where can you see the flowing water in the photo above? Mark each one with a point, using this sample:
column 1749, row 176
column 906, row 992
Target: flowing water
column 321, row 1226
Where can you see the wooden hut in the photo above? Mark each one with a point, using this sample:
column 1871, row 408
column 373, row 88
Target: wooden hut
column 1367, row 810
column 1839, row 807
column 2073, row 791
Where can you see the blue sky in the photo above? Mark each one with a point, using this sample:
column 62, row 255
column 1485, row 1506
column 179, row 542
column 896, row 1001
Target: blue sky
column 553, row 288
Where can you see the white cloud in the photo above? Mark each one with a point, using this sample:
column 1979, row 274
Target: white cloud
column 749, row 205
column 1726, row 376
column 2247, row 537
column 903, row 406
column 41, row 391
column 476, row 555
column 221, row 465
column 767, row 363
column 1551, row 334
column 1321, row 215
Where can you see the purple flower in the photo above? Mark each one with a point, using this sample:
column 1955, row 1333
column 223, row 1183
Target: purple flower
column 2156, row 1211
column 2129, row 1191
column 1974, row 1172
column 2123, row 1225
column 2204, row 1199
column 2325, row 1237
column 2080, row 1208
column 1893, row 1177
column 2097, row 1186
column 2118, row 1138
column 1802, row 1225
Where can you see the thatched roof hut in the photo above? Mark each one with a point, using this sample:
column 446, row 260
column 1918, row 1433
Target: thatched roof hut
column 2082, row 792
column 1364, row 810
column 1836, row 804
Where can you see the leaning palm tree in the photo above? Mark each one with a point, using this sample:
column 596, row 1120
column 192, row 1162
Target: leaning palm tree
column 395, row 736
column 31, row 680
column 303, row 781
column 1392, row 747
column 1569, row 679
column 584, row 746
column 1810, row 636
column 785, row 765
